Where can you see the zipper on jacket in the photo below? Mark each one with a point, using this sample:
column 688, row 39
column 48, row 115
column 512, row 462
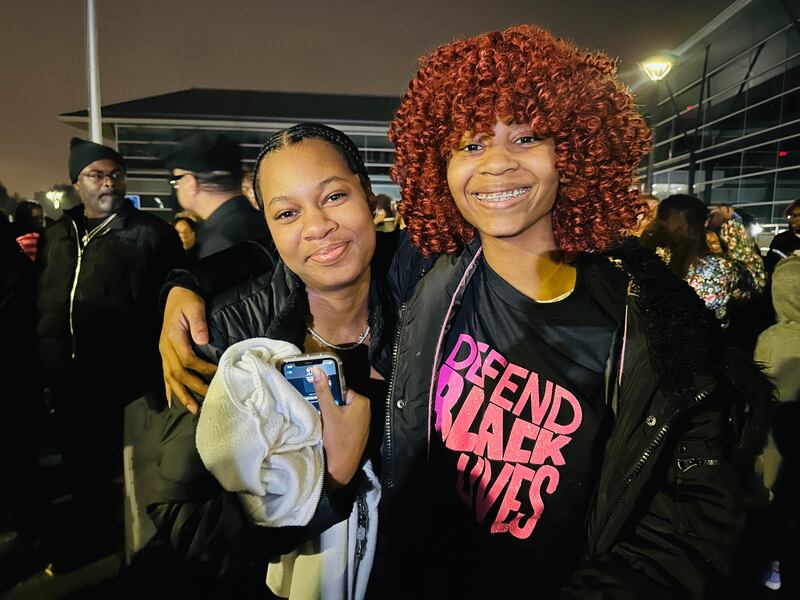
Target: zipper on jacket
column 86, row 239
column 387, row 465
column 640, row 464
column 320, row 487
column 387, row 433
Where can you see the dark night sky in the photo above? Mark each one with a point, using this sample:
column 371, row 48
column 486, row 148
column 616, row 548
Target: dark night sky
column 150, row 47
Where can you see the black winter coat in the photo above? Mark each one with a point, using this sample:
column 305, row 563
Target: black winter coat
column 205, row 527
column 232, row 223
column 97, row 299
column 666, row 514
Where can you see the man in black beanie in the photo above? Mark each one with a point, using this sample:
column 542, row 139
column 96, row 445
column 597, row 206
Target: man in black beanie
column 102, row 265
column 207, row 175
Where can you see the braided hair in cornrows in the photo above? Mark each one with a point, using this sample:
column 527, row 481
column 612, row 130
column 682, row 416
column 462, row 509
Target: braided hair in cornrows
column 308, row 130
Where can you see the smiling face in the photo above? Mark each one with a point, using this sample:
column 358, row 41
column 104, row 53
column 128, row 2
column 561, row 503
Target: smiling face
column 318, row 215
column 504, row 183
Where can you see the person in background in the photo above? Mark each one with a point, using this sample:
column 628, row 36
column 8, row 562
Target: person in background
column 786, row 242
column 186, row 231
column 778, row 347
column 650, row 204
column 679, row 235
column 101, row 268
column 207, row 176
column 24, row 499
column 386, row 221
column 247, row 187
column 28, row 226
column 385, row 218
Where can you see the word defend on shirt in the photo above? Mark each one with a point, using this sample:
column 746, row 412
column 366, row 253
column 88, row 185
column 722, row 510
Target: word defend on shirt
column 542, row 416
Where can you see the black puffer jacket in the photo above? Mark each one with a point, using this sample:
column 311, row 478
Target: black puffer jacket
column 206, row 527
column 665, row 517
column 97, row 298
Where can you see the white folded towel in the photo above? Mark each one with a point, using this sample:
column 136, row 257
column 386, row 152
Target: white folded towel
column 258, row 435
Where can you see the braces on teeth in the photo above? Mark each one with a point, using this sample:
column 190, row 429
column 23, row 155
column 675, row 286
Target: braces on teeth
column 500, row 196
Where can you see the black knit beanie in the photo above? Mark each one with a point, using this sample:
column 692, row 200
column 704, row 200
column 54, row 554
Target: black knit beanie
column 84, row 152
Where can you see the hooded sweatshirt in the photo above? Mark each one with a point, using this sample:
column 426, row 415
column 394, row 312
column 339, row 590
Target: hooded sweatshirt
column 778, row 348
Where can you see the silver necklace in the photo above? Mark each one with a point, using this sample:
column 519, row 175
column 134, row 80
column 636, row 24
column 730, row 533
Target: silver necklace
column 349, row 346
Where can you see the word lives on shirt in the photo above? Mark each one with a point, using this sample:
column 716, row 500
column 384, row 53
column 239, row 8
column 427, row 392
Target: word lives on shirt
column 523, row 426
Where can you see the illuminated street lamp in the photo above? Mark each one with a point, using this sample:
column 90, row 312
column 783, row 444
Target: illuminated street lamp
column 657, row 66
column 55, row 196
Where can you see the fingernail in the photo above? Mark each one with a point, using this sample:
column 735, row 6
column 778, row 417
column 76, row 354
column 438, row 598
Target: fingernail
column 317, row 375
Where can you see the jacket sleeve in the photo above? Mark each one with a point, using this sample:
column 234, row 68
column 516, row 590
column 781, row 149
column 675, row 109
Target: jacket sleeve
column 742, row 247
column 680, row 542
column 203, row 524
column 221, row 271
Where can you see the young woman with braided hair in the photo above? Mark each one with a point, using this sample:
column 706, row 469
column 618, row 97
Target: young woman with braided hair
column 322, row 295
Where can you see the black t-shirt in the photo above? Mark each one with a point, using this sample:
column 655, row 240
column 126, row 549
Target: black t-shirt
column 520, row 407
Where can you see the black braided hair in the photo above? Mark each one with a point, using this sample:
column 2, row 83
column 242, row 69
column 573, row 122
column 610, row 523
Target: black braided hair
column 308, row 130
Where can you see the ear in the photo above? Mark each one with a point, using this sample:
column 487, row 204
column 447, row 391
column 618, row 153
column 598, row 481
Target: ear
column 191, row 184
column 372, row 201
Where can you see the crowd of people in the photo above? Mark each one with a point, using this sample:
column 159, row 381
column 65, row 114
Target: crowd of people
column 550, row 378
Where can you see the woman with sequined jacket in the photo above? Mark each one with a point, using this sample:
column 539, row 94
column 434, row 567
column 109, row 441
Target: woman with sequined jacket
column 719, row 276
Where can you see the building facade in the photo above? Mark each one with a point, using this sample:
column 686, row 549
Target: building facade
column 144, row 130
column 727, row 116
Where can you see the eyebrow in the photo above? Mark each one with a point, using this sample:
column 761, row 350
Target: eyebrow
column 103, row 172
column 320, row 185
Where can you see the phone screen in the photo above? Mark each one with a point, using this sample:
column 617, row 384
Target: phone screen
column 298, row 373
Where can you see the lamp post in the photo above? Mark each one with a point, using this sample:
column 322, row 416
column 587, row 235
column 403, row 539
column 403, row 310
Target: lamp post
column 93, row 74
column 55, row 196
column 656, row 68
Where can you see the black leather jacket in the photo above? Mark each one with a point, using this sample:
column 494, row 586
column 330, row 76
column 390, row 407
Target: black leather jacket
column 205, row 526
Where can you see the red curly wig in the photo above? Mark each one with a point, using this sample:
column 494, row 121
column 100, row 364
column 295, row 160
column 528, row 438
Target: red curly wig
column 527, row 74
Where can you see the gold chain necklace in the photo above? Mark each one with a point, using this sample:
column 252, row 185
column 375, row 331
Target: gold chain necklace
column 349, row 346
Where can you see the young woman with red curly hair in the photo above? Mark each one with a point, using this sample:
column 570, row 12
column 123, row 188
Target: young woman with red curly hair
column 557, row 423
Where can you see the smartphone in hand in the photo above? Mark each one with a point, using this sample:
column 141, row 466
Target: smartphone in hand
column 297, row 371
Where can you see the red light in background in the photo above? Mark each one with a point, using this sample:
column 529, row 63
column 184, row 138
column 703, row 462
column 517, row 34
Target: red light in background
column 783, row 153
column 690, row 106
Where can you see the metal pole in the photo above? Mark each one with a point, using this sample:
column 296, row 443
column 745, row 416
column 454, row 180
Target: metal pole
column 651, row 158
column 93, row 75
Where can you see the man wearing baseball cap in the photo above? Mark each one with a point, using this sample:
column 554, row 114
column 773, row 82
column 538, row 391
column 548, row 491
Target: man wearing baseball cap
column 102, row 265
column 206, row 173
